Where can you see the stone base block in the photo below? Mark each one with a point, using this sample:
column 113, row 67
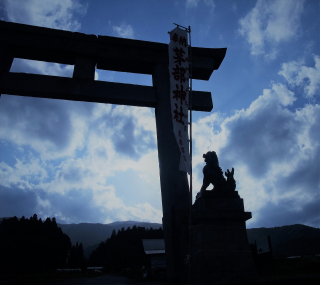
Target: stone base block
column 212, row 267
column 220, row 248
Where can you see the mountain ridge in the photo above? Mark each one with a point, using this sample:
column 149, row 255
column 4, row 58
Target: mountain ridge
column 90, row 234
column 289, row 240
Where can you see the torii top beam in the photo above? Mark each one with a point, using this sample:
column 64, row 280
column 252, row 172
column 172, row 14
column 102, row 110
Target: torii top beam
column 111, row 53
column 86, row 52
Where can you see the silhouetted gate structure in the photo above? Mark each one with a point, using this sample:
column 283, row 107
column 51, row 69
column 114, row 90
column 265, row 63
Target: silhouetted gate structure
column 87, row 52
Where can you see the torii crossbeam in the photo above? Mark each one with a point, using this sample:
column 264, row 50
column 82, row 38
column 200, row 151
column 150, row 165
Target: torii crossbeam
column 87, row 52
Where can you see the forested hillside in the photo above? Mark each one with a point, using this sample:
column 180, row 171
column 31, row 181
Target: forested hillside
column 123, row 249
column 286, row 240
column 293, row 240
column 30, row 246
column 91, row 234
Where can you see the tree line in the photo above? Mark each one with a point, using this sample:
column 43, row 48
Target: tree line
column 29, row 246
column 123, row 249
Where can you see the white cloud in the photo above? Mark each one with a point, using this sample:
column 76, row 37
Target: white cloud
column 279, row 94
column 42, row 67
column 234, row 7
column 96, row 75
column 297, row 74
column 275, row 152
column 56, row 14
column 53, row 128
column 83, row 183
column 270, row 23
column 123, row 31
column 143, row 211
column 195, row 3
column 192, row 3
column 210, row 3
column 21, row 173
column 94, row 130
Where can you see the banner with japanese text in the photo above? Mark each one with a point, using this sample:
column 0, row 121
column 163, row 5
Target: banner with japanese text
column 179, row 92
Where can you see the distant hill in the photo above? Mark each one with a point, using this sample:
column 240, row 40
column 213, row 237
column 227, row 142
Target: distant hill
column 92, row 234
column 293, row 240
column 286, row 240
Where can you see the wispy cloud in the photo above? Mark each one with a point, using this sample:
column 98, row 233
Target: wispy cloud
column 76, row 148
column 297, row 74
column 274, row 149
column 123, row 31
column 58, row 14
column 110, row 140
column 234, row 7
column 195, row 3
column 192, row 3
column 269, row 23
column 210, row 3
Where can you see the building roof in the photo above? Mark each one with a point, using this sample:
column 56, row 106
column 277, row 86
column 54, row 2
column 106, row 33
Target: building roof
column 153, row 246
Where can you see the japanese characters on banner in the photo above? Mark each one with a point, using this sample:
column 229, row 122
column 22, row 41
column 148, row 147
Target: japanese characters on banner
column 179, row 92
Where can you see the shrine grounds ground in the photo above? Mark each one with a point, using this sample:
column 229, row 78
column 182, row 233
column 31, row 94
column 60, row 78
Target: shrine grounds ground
column 286, row 271
column 119, row 280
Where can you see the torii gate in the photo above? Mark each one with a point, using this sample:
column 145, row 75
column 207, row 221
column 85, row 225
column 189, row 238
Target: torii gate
column 86, row 52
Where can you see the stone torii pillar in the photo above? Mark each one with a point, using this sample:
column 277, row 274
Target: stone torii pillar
column 174, row 183
column 86, row 52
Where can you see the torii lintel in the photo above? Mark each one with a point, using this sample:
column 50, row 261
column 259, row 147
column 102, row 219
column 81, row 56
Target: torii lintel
column 86, row 52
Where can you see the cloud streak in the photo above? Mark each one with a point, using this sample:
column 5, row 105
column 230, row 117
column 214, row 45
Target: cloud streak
column 270, row 23
column 85, row 162
column 297, row 74
column 78, row 150
column 123, row 31
column 275, row 150
column 58, row 14
column 194, row 4
column 80, row 146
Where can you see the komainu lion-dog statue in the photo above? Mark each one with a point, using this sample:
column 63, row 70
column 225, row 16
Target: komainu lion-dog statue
column 213, row 174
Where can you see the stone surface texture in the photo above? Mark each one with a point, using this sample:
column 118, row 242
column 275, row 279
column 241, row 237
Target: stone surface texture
column 220, row 245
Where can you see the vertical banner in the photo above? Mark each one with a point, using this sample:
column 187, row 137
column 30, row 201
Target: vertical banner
column 179, row 92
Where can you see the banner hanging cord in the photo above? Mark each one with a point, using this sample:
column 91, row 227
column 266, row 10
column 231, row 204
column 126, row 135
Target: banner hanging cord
column 190, row 151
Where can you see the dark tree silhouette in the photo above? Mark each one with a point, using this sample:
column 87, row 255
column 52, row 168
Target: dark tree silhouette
column 32, row 246
column 76, row 257
column 123, row 249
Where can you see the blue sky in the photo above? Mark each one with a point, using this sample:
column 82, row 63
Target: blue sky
column 87, row 162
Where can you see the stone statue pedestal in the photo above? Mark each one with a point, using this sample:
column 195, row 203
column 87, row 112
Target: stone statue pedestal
column 220, row 245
